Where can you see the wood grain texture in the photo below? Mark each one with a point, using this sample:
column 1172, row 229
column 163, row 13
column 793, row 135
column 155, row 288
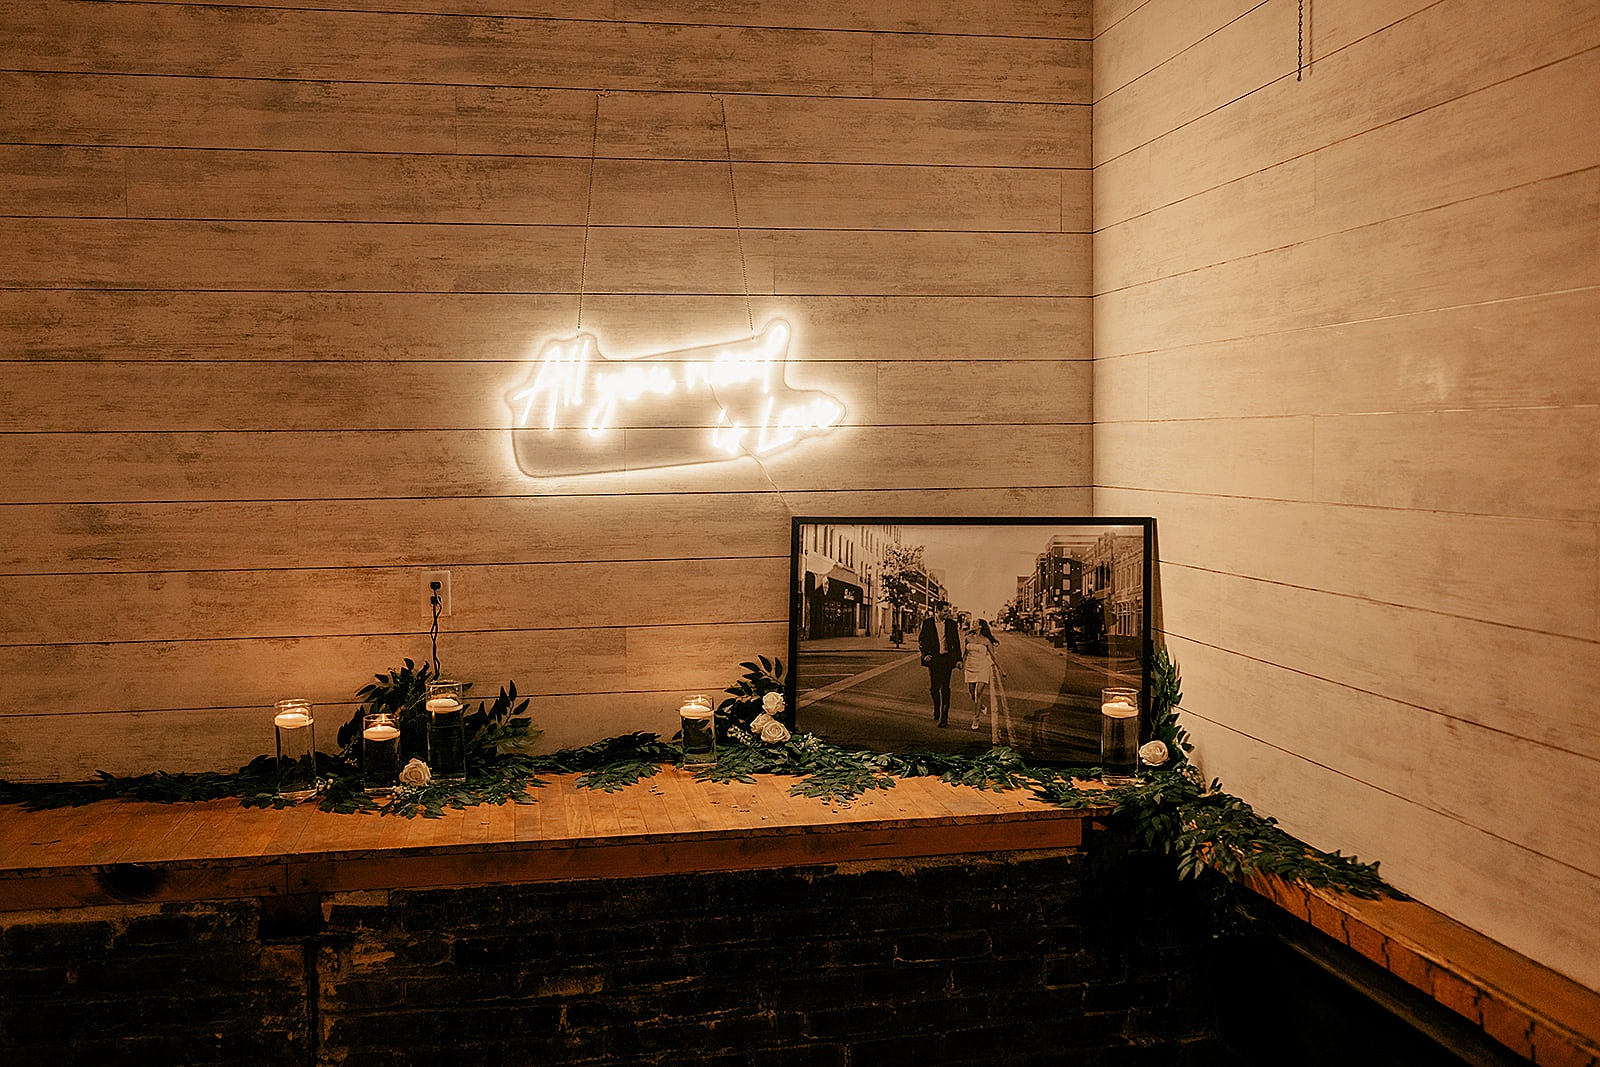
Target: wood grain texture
column 102, row 398
column 189, row 605
column 274, row 267
column 1464, row 461
column 372, row 187
column 108, row 468
column 64, row 325
column 1424, row 853
column 1019, row 18
column 254, row 114
column 1352, row 90
column 380, row 257
column 1502, row 354
column 1458, row 564
column 1131, row 43
column 301, row 44
column 669, row 824
column 1433, row 664
column 62, row 538
column 1530, row 240
column 1385, row 746
column 1252, row 51
column 1403, row 167
column 1344, row 333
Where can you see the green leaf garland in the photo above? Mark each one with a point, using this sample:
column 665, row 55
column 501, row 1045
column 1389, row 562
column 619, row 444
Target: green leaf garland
column 1171, row 812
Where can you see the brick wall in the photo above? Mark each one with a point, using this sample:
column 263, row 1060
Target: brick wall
column 1006, row 960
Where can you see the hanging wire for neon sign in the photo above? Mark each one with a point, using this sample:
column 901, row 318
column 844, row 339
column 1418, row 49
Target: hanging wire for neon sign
column 733, row 195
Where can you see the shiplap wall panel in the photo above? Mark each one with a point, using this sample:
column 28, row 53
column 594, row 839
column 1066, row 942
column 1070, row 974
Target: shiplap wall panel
column 89, row 538
column 1464, row 461
column 64, row 325
column 1531, row 239
column 385, row 257
column 163, row 606
column 1345, row 335
column 1459, row 564
column 181, row 675
column 1337, row 635
column 1421, row 162
column 1134, row 45
column 1467, row 869
column 1381, row 743
column 1259, row 48
column 543, row 53
column 1029, row 18
column 53, row 399
column 237, row 735
column 1471, row 461
column 1504, row 353
column 273, row 268
column 234, row 113
column 373, row 464
column 969, row 133
column 1285, row 118
column 873, row 459
column 153, row 184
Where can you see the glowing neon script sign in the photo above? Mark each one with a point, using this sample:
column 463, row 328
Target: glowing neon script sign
column 693, row 405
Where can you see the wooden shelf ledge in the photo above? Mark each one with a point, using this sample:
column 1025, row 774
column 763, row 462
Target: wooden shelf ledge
column 122, row 851
column 1535, row 1012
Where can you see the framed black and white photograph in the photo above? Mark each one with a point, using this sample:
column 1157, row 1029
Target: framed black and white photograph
column 957, row 635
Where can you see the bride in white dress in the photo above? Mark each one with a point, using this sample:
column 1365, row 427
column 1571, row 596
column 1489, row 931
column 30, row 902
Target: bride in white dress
column 985, row 681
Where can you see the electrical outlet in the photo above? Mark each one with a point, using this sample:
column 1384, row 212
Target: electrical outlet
column 428, row 592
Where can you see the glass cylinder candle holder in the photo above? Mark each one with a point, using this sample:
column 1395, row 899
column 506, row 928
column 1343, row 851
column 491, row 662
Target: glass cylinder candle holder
column 447, row 730
column 1119, row 736
column 698, row 723
column 380, row 753
column 295, row 727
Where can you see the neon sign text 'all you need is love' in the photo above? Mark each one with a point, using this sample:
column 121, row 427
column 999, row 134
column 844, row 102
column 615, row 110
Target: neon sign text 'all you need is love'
column 694, row 405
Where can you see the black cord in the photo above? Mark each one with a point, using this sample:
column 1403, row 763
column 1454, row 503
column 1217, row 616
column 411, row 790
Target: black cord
column 437, row 602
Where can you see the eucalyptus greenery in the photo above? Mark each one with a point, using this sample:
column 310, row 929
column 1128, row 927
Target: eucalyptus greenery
column 1171, row 813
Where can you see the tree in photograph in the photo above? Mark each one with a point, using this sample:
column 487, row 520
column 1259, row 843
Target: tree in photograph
column 900, row 577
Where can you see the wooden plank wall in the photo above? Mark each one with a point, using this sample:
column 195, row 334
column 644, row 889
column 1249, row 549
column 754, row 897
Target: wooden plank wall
column 1346, row 323
column 270, row 270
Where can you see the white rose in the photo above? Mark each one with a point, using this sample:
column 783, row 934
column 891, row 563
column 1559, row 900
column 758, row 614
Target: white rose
column 774, row 731
column 760, row 722
column 1153, row 753
column 772, row 704
column 415, row 774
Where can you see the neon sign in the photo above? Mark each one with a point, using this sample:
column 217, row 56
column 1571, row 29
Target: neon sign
column 581, row 412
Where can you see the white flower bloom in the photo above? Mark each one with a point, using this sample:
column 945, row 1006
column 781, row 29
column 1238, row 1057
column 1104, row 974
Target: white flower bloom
column 774, row 731
column 415, row 774
column 1153, row 753
column 759, row 723
column 772, row 704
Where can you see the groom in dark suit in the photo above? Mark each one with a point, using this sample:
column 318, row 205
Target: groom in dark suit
column 940, row 644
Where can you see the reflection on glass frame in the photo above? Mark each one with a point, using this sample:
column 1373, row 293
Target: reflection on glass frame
column 1028, row 619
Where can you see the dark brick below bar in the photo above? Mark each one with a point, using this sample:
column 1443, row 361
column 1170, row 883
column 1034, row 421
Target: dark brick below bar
column 1002, row 960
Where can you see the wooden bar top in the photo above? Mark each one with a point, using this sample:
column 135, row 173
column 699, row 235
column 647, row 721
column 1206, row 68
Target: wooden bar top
column 124, row 850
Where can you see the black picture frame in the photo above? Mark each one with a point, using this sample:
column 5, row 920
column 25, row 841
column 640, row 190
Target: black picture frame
column 1077, row 619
